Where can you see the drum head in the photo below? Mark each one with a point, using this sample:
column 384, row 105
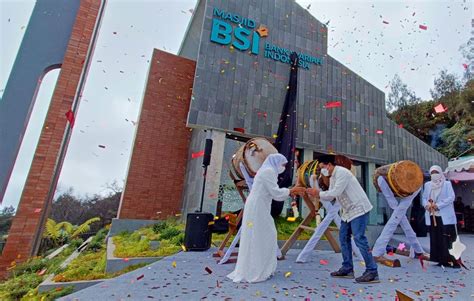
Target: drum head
column 406, row 177
column 255, row 152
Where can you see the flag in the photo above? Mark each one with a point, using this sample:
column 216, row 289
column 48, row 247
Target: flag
column 286, row 135
column 70, row 117
column 424, row 27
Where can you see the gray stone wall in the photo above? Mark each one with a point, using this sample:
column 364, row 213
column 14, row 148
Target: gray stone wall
column 235, row 89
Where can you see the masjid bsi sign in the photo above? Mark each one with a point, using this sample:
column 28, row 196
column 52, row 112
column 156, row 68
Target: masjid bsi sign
column 245, row 39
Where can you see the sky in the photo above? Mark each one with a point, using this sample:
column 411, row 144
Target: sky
column 376, row 39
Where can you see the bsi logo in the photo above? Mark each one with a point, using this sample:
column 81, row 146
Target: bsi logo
column 242, row 37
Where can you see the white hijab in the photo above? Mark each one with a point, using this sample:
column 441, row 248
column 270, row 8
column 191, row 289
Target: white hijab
column 275, row 162
column 437, row 185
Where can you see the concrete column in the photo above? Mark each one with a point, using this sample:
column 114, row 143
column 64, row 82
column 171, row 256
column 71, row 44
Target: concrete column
column 214, row 172
column 372, row 194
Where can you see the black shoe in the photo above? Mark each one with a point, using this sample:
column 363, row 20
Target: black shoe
column 343, row 274
column 368, row 277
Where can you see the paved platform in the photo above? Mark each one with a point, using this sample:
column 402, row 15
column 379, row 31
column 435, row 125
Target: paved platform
column 189, row 281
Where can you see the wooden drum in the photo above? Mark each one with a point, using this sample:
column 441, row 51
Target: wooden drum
column 309, row 168
column 252, row 154
column 404, row 177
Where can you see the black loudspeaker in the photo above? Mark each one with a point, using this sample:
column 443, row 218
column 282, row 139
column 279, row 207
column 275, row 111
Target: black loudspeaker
column 207, row 153
column 198, row 234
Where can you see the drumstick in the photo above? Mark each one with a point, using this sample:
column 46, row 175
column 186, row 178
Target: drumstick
column 432, row 214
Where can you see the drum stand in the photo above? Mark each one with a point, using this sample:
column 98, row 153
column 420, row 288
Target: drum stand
column 313, row 211
column 241, row 186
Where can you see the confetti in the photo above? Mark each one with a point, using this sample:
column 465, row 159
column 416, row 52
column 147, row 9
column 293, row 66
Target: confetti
column 390, row 253
column 424, row 27
column 291, row 219
column 323, row 262
column 173, row 264
column 140, row 277
column 385, row 22
column 400, row 126
column 380, row 132
column 372, row 146
column 101, row 146
column 37, row 210
column 208, row 270
column 250, row 224
column 275, row 136
column 465, row 66
column 333, row 104
column 197, row 155
column 126, row 259
column 241, row 130
column 440, row 108
column 288, row 274
column 401, row 246
column 42, row 272
column 70, row 117
column 184, row 248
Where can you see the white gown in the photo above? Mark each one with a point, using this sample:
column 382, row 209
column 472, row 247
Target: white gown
column 258, row 244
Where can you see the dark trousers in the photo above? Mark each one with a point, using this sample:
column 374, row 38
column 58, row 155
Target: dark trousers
column 356, row 227
column 441, row 240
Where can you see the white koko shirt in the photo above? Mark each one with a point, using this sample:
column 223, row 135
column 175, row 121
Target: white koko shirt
column 343, row 186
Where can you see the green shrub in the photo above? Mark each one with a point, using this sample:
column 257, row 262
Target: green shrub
column 51, row 295
column 159, row 227
column 178, row 239
column 95, row 246
column 169, row 233
column 16, row 287
column 75, row 243
column 32, row 265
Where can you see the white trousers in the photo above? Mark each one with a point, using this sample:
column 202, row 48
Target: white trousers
column 398, row 217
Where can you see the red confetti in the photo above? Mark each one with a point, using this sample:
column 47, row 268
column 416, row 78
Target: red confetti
column 37, row 210
column 208, row 270
column 465, row 66
column 227, row 217
column 126, row 259
column 70, row 117
column 333, row 104
column 400, row 126
column 198, row 154
column 242, row 130
column 440, row 108
column 380, row 132
column 385, row 22
column 42, row 272
column 424, row 27
column 390, row 253
column 343, row 291
column 323, row 262
column 101, row 146
column 140, row 277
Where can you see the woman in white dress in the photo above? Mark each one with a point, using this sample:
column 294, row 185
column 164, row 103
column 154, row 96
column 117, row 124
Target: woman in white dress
column 258, row 243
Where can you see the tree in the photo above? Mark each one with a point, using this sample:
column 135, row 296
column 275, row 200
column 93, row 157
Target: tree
column 400, row 96
column 6, row 217
column 445, row 85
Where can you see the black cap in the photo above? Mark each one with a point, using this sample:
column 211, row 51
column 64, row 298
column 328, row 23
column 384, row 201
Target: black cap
column 325, row 159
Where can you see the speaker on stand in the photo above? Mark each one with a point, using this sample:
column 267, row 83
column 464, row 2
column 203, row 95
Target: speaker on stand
column 198, row 234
